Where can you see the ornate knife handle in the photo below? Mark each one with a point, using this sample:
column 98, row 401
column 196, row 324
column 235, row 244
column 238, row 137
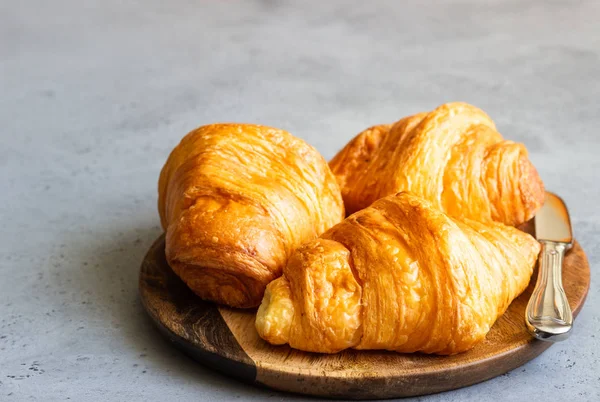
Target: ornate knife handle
column 548, row 315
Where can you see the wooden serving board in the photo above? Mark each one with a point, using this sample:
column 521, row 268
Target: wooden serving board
column 225, row 339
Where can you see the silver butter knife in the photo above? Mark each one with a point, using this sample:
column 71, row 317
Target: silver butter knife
column 548, row 315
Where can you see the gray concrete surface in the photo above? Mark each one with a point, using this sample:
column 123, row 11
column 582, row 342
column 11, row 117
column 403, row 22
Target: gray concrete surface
column 93, row 95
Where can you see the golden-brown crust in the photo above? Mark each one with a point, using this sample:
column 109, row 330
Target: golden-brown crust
column 235, row 201
column 532, row 195
column 356, row 155
column 453, row 157
column 398, row 275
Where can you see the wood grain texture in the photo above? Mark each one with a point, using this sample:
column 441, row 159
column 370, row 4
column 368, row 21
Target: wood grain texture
column 188, row 320
column 226, row 340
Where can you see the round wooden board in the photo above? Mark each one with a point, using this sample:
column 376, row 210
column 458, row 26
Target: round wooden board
column 225, row 339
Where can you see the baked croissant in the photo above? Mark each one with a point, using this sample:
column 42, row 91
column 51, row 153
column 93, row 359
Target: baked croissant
column 452, row 156
column 235, row 201
column 399, row 275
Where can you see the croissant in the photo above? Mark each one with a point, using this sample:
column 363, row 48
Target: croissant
column 452, row 156
column 399, row 275
column 235, row 201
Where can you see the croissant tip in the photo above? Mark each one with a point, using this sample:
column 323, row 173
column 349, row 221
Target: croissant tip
column 531, row 187
column 274, row 316
column 215, row 284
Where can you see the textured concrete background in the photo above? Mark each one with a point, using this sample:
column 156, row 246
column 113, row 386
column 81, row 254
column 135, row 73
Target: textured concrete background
column 93, row 95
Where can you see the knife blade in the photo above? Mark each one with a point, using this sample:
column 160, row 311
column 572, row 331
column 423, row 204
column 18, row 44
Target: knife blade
column 548, row 315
